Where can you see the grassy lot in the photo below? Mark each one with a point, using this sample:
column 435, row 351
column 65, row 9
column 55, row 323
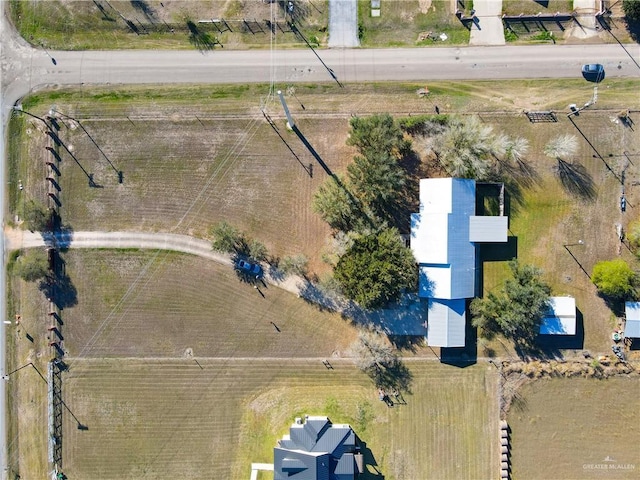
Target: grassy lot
column 550, row 217
column 118, row 24
column 135, row 309
column 221, row 160
column 171, row 418
column 77, row 25
column 401, row 22
column 570, row 428
column 27, row 342
column 529, row 7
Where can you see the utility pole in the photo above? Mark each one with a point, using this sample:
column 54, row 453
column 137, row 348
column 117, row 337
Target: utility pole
column 290, row 122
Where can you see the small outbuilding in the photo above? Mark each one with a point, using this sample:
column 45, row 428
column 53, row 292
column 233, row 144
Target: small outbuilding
column 632, row 323
column 560, row 319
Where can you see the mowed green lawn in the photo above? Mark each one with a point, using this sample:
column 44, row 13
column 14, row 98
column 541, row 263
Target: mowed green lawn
column 576, row 428
column 176, row 419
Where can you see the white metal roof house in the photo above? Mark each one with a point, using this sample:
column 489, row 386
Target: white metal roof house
column 443, row 240
column 632, row 323
column 317, row 449
column 560, row 319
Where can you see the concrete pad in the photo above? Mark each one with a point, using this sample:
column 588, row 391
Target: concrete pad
column 585, row 12
column 343, row 24
column 487, row 28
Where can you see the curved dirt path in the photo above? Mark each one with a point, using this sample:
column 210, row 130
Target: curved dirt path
column 406, row 318
column 17, row 239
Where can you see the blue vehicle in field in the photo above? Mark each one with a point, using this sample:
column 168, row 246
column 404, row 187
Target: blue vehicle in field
column 249, row 268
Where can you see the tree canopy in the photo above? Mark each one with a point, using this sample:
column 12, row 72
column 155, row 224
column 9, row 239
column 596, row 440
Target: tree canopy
column 517, row 309
column 335, row 204
column 467, row 148
column 378, row 182
column 376, row 268
column 35, row 216
column 615, row 279
column 631, row 9
column 31, row 265
column 226, row 237
column 375, row 135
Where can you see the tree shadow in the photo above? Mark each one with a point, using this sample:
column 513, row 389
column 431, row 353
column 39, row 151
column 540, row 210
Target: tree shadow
column 393, row 376
column 60, row 290
column 410, row 343
column 576, row 180
column 202, row 40
column 144, row 7
column 57, row 234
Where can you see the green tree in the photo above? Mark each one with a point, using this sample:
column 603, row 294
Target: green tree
column 333, row 202
column 517, row 309
column 633, row 236
column 295, row 265
column 31, row 265
column 226, row 238
column 615, row 279
column 376, row 268
column 631, row 9
column 378, row 181
column 257, row 250
column 375, row 135
column 516, row 149
column 36, row 216
column 468, row 148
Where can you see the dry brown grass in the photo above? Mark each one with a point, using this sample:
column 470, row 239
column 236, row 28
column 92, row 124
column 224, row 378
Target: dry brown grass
column 161, row 304
column 561, row 428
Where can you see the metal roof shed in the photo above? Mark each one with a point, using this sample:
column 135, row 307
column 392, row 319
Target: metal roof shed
column 488, row 229
column 560, row 319
column 632, row 315
column 446, row 322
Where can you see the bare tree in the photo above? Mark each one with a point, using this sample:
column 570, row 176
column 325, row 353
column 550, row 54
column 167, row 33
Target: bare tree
column 372, row 351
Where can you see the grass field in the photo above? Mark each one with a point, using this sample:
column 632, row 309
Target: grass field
column 160, row 304
column 170, row 418
column 221, row 160
column 576, row 429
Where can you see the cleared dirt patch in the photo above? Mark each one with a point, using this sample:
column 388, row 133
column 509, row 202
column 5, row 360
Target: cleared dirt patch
column 576, row 429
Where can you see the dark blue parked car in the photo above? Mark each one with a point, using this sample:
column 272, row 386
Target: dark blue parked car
column 593, row 72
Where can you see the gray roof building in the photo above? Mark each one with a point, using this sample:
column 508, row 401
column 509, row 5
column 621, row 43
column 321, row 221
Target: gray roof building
column 444, row 236
column 317, row 449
